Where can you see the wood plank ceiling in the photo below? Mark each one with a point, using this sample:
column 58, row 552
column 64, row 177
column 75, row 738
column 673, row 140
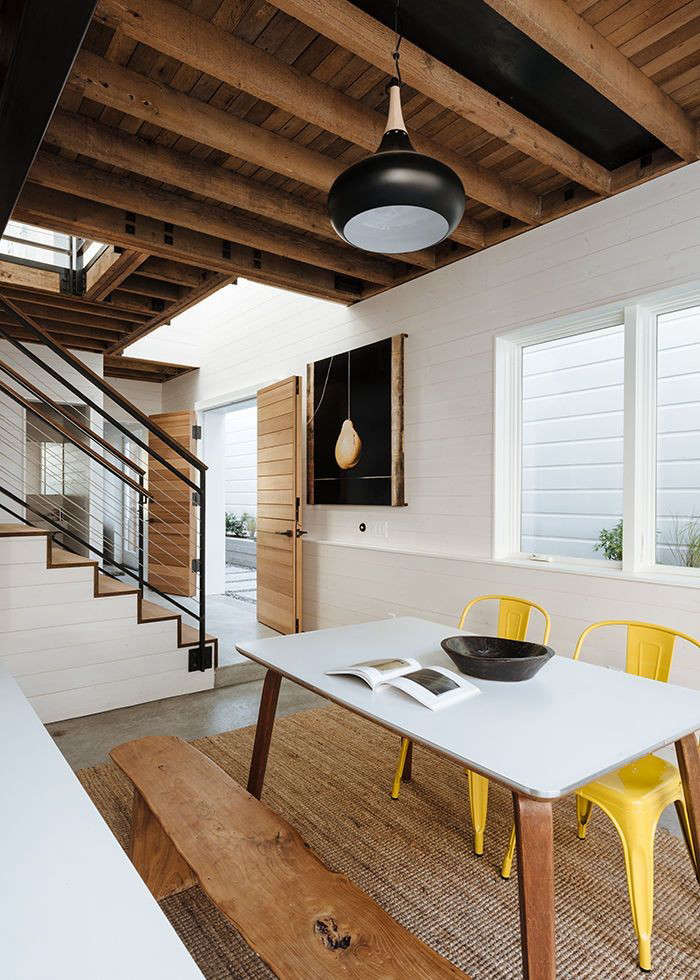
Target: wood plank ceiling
column 200, row 137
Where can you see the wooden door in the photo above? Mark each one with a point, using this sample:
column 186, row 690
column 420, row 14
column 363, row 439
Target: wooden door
column 172, row 518
column 279, row 506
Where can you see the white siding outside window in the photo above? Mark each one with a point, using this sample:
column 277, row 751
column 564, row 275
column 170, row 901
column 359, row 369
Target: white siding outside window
column 678, row 438
column 572, row 442
column 240, row 433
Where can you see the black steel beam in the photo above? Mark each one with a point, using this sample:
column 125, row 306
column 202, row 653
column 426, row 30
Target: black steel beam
column 47, row 36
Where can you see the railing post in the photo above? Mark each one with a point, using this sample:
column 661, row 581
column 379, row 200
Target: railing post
column 202, row 568
column 141, row 576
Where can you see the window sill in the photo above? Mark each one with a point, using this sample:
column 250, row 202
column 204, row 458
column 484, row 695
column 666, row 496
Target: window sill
column 673, row 576
column 651, row 576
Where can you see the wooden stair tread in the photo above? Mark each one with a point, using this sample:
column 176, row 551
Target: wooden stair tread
column 61, row 557
column 113, row 586
column 14, row 530
column 152, row 612
column 300, row 918
column 189, row 636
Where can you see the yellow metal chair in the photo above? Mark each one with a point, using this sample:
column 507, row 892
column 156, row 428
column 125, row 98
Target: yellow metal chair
column 635, row 796
column 513, row 620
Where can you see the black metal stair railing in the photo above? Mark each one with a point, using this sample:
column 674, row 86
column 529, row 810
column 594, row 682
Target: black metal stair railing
column 48, row 386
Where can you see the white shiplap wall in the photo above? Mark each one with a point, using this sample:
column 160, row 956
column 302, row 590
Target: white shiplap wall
column 432, row 555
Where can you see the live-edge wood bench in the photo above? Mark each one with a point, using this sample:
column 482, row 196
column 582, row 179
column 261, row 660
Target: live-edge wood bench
column 194, row 824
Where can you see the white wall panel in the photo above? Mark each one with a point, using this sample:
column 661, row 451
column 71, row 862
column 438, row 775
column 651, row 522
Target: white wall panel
column 247, row 336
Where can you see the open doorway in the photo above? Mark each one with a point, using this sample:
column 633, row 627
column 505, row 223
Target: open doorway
column 230, row 452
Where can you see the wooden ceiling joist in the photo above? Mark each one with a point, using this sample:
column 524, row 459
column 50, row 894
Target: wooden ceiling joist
column 109, row 270
column 64, row 301
column 77, row 134
column 200, row 145
column 120, row 191
column 139, row 369
column 180, row 275
column 75, row 215
column 183, row 35
column 213, row 283
column 561, row 31
column 366, row 37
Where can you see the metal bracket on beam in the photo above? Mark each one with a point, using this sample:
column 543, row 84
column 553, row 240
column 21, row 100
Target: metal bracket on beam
column 226, row 250
column 130, row 223
column 157, row 305
column 257, row 258
column 167, row 233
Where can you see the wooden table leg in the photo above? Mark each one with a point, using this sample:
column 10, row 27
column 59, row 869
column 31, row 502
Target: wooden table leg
column 689, row 765
column 535, row 842
column 263, row 732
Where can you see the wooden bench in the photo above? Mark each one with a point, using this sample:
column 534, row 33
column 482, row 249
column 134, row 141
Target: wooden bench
column 193, row 824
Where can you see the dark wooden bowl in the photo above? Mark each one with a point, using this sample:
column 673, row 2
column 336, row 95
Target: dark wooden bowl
column 494, row 659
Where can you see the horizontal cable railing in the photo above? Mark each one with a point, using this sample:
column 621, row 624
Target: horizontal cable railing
column 73, row 463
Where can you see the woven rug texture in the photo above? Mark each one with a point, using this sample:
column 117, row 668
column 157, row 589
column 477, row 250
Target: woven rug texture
column 329, row 774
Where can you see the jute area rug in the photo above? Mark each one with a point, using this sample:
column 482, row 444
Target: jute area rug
column 329, row 774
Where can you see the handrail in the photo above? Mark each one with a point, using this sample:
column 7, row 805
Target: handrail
column 194, row 475
column 85, row 544
column 19, row 345
column 103, row 386
column 6, row 390
column 16, row 376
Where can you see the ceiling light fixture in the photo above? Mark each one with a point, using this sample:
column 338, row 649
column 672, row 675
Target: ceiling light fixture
column 397, row 200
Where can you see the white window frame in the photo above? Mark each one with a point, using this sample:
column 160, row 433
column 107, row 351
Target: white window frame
column 639, row 318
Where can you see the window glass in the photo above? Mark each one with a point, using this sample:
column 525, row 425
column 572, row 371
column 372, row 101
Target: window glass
column 678, row 439
column 572, row 445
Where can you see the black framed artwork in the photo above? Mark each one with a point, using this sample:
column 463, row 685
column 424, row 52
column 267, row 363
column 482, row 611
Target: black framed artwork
column 355, row 426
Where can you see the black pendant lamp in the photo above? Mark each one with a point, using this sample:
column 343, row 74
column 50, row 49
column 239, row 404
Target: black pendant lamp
column 397, row 200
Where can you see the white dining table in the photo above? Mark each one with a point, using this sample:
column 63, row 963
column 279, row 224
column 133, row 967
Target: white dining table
column 543, row 738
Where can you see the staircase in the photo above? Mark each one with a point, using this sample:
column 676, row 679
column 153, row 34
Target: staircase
column 82, row 628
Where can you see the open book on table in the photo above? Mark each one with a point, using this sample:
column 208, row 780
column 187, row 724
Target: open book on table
column 434, row 687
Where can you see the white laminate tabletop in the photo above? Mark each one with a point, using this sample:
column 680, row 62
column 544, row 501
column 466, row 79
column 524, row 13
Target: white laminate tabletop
column 544, row 737
column 72, row 907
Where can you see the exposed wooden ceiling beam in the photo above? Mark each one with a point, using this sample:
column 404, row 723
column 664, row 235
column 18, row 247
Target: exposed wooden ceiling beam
column 132, row 93
column 47, row 37
column 180, row 275
column 118, row 366
column 200, row 44
column 109, row 269
column 366, row 37
column 65, row 301
column 212, row 284
column 143, row 286
column 560, row 30
column 120, row 191
column 115, row 328
column 79, row 134
column 139, row 302
column 19, row 274
column 65, row 212
column 66, row 335
column 139, row 96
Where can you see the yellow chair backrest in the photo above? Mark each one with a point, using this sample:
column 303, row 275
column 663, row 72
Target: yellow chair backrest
column 649, row 647
column 513, row 616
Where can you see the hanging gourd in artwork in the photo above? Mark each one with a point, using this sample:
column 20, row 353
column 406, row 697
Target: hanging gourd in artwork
column 348, row 448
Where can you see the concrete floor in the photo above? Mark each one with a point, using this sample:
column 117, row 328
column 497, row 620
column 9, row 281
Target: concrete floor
column 87, row 741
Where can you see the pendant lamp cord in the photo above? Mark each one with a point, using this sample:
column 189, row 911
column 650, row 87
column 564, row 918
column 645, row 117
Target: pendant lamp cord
column 396, row 55
column 349, row 416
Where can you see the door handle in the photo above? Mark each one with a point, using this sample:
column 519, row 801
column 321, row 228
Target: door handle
column 299, row 532
column 286, row 534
